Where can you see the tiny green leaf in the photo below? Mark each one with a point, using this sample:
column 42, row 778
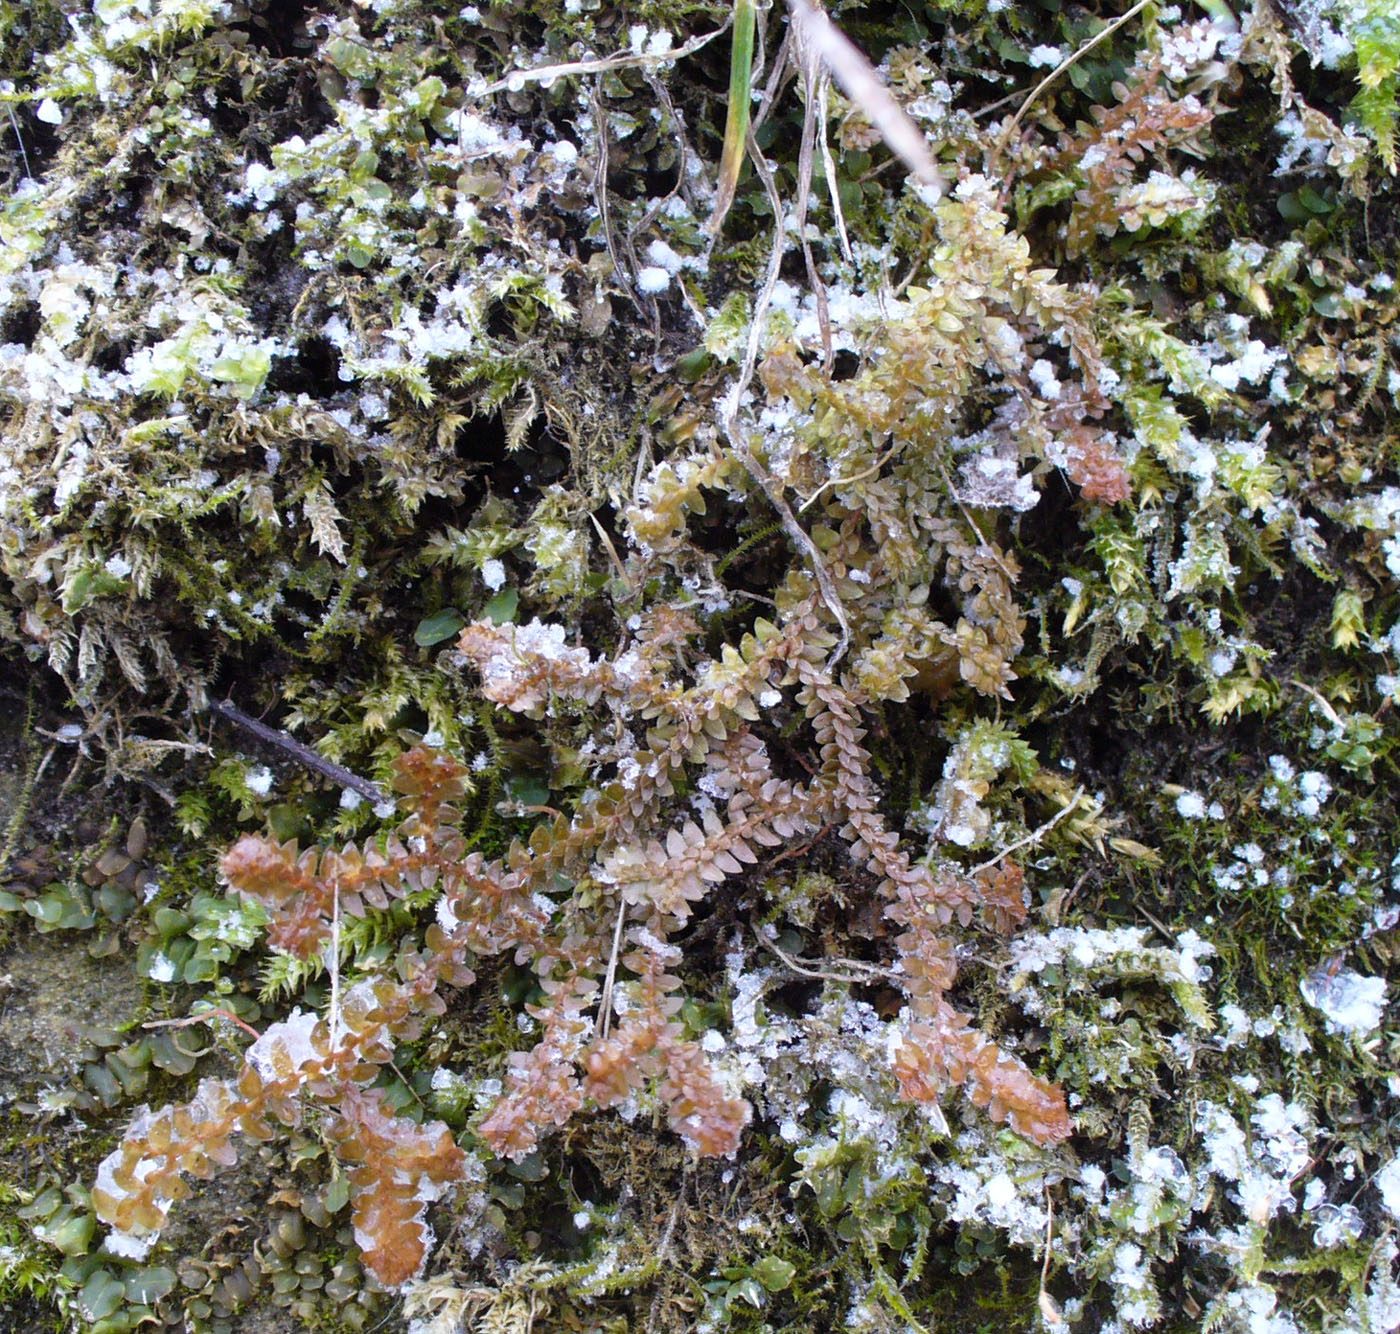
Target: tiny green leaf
column 439, row 626
column 501, row 608
column 773, row 1273
column 337, row 1195
column 149, row 1285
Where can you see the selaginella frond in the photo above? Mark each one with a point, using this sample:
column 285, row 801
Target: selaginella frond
column 686, row 778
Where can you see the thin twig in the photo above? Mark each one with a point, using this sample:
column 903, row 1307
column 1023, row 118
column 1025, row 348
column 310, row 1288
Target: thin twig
column 203, row 1017
column 333, row 945
column 1328, row 711
column 731, row 402
column 1049, row 1308
column 518, row 78
column 812, row 112
column 861, row 84
column 865, row 974
column 1161, row 927
column 303, row 754
column 23, row 156
column 829, row 164
column 1035, row 835
column 1103, row 34
column 624, row 273
column 779, row 76
column 847, row 481
column 610, row 980
column 612, row 552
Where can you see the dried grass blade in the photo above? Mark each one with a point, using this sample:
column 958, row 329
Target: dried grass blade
column 861, row 84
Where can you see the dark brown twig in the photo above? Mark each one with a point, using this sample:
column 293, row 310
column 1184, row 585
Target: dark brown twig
column 303, row 754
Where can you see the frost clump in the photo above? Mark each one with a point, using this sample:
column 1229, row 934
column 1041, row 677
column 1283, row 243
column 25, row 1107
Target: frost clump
column 987, row 1193
column 1087, row 948
column 162, row 968
column 1255, row 362
column 1047, row 384
column 1388, row 1184
column 1191, row 806
column 992, row 482
column 1349, row 1002
column 286, row 1047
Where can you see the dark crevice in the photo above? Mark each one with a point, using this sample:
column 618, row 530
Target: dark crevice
column 279, row 27
column 314, row 370
column 22, row 325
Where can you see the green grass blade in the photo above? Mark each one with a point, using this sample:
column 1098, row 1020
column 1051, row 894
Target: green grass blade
column 736, row 126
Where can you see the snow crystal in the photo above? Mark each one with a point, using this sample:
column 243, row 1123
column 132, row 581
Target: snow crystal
column 664, row 257
column 493, row 574
column 1224, row 1142
column 261, row 182
column 653, row 279
column 989, row 481
column 1222, row 661
column 478, row 136
column 161, row 969
column 1337, row 1225
column 128, row 1246
column 1255, row 362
